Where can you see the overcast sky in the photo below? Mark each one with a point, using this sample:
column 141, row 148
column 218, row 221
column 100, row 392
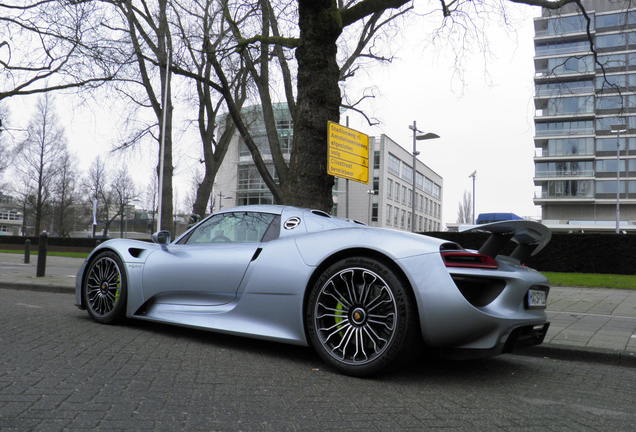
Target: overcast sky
column 483, row 113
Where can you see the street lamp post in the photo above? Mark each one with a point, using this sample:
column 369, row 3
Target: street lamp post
column 473, row 175
column 416, row 137
column 617, row 129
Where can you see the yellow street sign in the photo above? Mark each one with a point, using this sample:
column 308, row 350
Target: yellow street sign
column 348, row 153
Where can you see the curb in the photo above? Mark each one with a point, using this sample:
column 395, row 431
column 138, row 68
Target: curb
column 575, row 353
column 60, row 289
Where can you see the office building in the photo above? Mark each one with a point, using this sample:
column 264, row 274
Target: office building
column 584, row 108
column 385, row 201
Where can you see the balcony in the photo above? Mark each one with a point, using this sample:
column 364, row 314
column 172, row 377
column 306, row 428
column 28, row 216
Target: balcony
column 564, row 132
column 559, row 174
column 546, row 113
column 564, row 90
column 545, row 196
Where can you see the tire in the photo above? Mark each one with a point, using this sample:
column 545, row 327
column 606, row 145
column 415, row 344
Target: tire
column 359, row 317
column 105, row 288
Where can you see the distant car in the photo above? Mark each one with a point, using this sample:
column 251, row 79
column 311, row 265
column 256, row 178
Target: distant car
column 358, row 295
column 485, row 218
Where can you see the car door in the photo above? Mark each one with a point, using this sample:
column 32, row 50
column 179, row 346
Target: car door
column 206, row 266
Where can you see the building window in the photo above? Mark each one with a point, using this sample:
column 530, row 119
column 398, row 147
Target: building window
column 615, row 19
column 374, row 212
column 404, row 198
column 396, row 216
column 419, row 181
column 420, row 223
column 409, row 194
column 250, row 198
column 4, row 228
column 8, row 215
column 437, row 191
column 408, row 220
column 376, row 184
column 376, row 160
column 396, row 195
column 407, row 172
column 402, row 219
column 389, row 189
column 250, row 179
column 394, row 165
column 389, row 211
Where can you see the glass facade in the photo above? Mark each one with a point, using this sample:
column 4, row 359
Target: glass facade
column 578, row 105
column 562, row 25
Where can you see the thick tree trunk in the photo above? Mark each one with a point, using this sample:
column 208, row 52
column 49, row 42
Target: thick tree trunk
column 319, row 100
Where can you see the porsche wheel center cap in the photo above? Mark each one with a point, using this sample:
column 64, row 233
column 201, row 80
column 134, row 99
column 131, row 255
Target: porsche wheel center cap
column 104, row 287
column 358, row 316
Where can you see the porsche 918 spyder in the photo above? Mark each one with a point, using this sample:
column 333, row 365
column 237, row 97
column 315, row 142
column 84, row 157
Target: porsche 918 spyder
column 360, row 296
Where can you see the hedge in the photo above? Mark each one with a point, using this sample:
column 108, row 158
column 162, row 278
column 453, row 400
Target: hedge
column 577, row 253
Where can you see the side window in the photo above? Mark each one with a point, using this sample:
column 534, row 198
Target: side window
column 237, row 227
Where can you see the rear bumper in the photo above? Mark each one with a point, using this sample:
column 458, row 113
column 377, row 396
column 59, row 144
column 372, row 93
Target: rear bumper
column 520, row 337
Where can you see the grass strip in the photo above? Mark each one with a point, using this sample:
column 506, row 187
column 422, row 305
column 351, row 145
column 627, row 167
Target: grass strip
column 593, row 280
column 49, row 253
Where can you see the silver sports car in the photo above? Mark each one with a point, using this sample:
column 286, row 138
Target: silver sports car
column 358, row 295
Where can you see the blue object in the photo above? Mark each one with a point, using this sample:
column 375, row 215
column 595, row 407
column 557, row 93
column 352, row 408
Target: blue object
column 484, row 218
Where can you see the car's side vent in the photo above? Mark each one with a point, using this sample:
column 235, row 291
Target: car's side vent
column 321, row 213
column 479, row 291
column 135, row 252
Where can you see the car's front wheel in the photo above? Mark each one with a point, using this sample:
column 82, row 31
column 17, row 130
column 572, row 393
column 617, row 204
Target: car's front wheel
column 359, row 316
column 105, row 288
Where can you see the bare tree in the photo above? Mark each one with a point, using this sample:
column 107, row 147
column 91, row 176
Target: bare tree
column 200, row 27
column 261, row 41
column 96, row 188
column 124, row 194
column 5, row 150
column 40, row 156
column 464, row 211
column 49, row 45
column 141, row 28
column 64, row 193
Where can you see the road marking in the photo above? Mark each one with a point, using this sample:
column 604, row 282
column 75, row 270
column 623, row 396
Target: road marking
column 592, row 314
column 29, row 305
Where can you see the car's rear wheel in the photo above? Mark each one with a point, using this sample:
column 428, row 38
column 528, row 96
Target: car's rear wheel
column 359, row 316
column 105, row 288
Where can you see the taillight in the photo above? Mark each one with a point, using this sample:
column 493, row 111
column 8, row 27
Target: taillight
column 468, row 259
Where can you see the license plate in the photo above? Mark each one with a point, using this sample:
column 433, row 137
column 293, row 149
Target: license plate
column 537, row 298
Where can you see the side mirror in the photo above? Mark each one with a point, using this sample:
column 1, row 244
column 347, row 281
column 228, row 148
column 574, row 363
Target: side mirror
column 161, row 237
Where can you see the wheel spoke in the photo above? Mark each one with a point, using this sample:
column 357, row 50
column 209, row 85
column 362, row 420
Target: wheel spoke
column 366, row 287
column 347, row 326
column 350, row 286
column 344, row 321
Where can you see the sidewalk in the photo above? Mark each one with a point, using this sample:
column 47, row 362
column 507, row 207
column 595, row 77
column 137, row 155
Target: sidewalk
column 586, row 323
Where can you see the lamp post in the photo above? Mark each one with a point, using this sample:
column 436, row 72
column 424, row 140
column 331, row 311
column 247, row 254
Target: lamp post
column 617, row 129
column 416, row 137
column 473, row 175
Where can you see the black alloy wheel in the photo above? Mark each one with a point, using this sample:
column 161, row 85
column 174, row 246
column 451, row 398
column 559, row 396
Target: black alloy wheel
column 105, row 288
column 359, row 316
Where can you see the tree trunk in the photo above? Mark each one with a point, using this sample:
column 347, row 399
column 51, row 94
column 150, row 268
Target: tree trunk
column 319, row 100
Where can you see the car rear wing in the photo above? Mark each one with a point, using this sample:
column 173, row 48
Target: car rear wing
column 530, row 237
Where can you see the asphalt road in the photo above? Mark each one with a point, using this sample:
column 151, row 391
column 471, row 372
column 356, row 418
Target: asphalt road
column 61, row 371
